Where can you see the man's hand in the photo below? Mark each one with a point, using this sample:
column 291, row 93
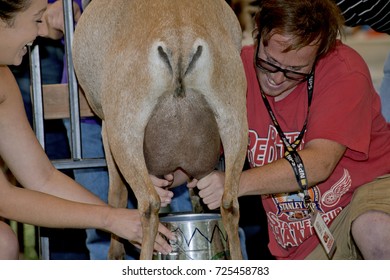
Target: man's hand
column 53, row 19
column 211, row 188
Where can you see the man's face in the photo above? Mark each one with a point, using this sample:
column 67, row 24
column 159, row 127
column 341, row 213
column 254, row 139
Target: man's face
column 290, row 68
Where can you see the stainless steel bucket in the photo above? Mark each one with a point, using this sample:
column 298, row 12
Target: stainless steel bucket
column 199, row 237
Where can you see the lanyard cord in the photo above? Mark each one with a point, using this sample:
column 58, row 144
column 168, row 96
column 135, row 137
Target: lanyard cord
column 286, row 143
column 291, row 155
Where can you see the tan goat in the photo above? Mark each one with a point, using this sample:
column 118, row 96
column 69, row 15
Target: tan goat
column 167, row 80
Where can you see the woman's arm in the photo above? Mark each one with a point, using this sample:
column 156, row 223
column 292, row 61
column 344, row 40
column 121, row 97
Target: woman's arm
column 50, row 198
column 24, row 155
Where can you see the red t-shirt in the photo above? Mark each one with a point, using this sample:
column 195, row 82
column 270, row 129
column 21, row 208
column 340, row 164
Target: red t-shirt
column 345, row 108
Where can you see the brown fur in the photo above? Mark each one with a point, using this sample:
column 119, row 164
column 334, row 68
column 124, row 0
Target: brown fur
column 167, row 80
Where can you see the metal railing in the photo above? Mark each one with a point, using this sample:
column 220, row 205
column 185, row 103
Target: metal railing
column 76, row 161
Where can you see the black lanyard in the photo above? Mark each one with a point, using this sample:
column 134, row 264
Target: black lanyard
column 291, row 155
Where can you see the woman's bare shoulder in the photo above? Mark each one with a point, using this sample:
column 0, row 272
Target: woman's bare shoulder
column 7, row 82
column 5, row 72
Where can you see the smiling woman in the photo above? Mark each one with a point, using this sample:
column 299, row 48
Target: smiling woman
column 20, row 25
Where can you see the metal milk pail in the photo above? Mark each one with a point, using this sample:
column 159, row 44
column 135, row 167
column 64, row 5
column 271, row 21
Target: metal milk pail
column 199, row 237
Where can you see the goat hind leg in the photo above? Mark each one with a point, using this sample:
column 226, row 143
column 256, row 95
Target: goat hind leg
column 117, row 197
column 132, row 165
column 148, row 206
column 234, row 149
column 230, row 218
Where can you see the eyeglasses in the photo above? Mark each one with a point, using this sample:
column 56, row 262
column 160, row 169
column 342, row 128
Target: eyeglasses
column 271, row 68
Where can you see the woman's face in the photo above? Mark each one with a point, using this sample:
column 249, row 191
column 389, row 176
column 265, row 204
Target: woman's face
column 26, row 27
column 275, row 83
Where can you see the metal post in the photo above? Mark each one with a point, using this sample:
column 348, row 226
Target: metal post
column 38, row 114
column 37, row 103
column 36, row 91
column 72, row 82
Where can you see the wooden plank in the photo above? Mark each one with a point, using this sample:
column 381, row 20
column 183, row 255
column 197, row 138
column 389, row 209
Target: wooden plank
column 56, row 102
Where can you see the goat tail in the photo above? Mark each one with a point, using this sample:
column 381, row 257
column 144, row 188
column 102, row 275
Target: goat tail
column 183, row 63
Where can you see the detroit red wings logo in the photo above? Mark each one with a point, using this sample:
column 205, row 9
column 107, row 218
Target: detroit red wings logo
column 333, row 195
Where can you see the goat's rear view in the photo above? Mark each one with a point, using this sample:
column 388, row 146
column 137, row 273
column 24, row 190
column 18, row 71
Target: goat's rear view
column 167, row 80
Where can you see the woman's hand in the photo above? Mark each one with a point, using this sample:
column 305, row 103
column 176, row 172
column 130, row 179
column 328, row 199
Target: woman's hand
column 126, row 223
column 161, row 186
column 211, row 188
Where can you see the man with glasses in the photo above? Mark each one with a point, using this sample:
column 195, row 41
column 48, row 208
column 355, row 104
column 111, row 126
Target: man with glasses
column 268, row 67
column 318, row 144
